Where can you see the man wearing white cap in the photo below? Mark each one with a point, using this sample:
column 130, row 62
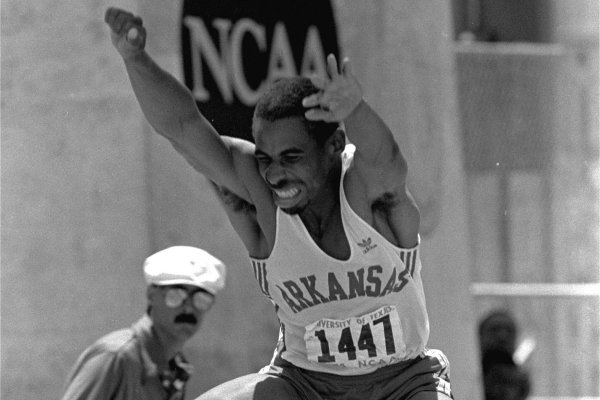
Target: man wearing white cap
column 145, row 361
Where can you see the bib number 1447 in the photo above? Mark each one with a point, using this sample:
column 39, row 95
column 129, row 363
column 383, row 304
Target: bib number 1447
column 367, row 340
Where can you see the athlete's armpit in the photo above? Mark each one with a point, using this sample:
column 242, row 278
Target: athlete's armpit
column 386, row 202
column 402, row 217
column 232, row 201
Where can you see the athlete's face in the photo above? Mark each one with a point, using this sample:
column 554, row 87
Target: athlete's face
column 291, row 162
column 175, row 311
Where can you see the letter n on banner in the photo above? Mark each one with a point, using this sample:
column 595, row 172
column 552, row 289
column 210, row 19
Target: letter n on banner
column 231, row 49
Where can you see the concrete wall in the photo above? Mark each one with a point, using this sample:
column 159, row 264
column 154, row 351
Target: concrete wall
column 74, row 219
column 88, row 191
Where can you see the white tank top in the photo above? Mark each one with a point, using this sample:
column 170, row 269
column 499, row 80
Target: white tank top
column 344, row 317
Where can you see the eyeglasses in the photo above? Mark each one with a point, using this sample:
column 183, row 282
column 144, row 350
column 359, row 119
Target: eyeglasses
column 176, row 296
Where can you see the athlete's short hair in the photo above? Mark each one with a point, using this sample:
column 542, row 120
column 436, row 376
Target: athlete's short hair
column 283, row 99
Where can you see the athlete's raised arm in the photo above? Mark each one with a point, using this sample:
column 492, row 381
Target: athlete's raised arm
column 170, row 107
column 379, row 165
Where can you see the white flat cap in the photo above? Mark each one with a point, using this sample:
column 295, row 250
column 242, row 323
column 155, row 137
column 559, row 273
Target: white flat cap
column 185, row 265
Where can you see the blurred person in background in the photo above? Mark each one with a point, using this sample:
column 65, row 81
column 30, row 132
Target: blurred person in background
column 498, row 331
column 145, row 361
column 503, row 377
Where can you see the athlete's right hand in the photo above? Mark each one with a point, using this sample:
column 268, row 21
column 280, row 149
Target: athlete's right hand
column 127, row 32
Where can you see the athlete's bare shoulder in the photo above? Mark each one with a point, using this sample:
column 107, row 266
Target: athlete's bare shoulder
column 246, row 168
column 253, row 219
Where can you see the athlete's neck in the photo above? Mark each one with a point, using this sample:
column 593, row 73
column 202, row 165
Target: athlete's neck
column 321, row 210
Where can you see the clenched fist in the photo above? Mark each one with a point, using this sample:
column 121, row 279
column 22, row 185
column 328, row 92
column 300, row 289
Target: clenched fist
column 128, row 34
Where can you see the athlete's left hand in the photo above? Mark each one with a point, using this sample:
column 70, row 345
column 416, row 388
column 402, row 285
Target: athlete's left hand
column 339, row 94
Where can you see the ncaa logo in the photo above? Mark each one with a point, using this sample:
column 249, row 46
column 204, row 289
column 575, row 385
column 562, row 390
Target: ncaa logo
column 232, row 49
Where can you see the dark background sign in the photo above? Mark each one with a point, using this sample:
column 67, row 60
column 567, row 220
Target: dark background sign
column 232, row 48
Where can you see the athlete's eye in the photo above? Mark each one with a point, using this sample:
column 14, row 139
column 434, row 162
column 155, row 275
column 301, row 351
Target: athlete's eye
column 291, row 158
column 262, row 159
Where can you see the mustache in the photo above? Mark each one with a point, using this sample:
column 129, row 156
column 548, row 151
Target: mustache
column 186, row 319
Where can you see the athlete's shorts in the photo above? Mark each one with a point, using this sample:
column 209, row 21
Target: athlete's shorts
column 429, row 372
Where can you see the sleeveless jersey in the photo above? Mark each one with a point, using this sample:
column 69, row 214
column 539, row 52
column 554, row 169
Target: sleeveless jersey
column 346, row 317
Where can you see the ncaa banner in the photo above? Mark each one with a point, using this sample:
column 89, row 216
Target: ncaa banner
column 231, row 49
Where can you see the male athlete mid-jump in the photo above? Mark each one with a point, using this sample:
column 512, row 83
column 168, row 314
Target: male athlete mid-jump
column 329, row 225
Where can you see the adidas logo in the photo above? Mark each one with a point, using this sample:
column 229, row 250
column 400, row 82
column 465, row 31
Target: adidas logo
column 366, row 245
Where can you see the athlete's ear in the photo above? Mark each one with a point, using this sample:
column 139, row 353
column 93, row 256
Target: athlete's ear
column 337, row 141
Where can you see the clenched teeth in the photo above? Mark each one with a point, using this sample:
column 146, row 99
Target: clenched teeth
column 286, row 194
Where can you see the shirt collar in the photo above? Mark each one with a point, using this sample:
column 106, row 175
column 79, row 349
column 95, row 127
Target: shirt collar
column 151, row 351
column 152, row 354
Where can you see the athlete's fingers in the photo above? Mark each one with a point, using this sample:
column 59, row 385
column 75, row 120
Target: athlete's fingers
column 318, row 114
column 120, row 20
column 346, row 68
column 136, row 34
column 311, row 101
column 332, row 66
column 133, row 35
column 115, row 21
column 110, row 14
column 318, row 81
column 135, row 20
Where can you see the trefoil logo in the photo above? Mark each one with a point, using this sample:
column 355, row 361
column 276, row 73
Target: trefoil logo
column 366, row 245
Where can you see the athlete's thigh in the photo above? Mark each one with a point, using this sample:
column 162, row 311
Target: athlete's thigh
column 430, row 396
column 253, row 387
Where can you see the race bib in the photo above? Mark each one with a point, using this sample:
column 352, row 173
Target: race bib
column 372, row 339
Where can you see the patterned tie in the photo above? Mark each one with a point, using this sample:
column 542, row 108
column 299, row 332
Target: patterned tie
column 175, row 377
